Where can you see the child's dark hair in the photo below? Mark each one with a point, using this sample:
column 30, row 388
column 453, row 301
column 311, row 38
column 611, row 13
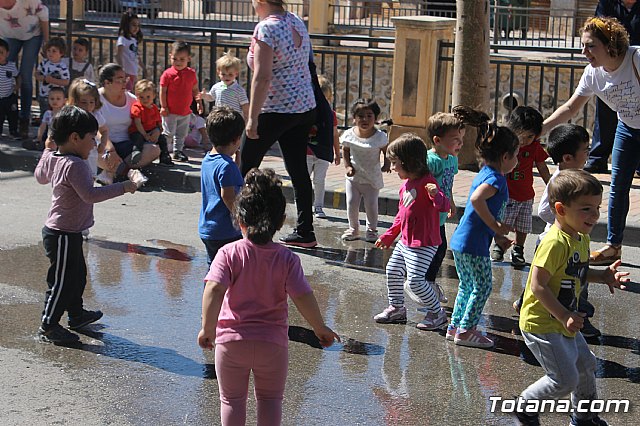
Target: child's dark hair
column 365, row 103
column 3, row 43
column 125, row 25
column 566, row 139
column 224, row 126
column 83, row 42
column 493, row 141
column 525, row 119
column 58, row 89
column 411, row 150
column 71, row 119
column 570, row 184
column 260, row 205
column 180, row 46
column 108, row 72
column 58, row 43
column 441, row 122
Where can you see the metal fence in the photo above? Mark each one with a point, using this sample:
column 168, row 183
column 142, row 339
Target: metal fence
column 510, row 25
column 353, row 71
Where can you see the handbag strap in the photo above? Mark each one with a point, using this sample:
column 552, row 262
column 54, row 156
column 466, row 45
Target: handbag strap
column 635, row 70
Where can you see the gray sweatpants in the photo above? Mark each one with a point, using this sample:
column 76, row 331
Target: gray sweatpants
column 570, row 368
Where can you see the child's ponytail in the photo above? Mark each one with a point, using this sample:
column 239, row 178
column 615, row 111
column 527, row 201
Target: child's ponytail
column 260, row 206
column 492, row 141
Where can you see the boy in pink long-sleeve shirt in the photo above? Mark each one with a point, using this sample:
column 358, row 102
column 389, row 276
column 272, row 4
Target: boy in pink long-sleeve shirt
column 73, row 130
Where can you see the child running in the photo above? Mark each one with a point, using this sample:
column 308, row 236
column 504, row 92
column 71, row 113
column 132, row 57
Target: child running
column 244, row 306
column 361, row 148
column 549, row 320
column 221, row 180
column 447, row 133
column 417, row 222
column 526, row 123
column 129, row 37
column 73, row 130
column 482, row 219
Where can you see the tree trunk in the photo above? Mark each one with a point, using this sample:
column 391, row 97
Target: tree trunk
column 471, row 68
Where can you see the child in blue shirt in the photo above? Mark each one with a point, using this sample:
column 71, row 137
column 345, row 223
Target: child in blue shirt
column 482, row 220
column 221, row 180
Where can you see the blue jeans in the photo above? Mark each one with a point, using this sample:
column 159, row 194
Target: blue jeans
column 30, row 49
column 604, row 129
column 625, row 159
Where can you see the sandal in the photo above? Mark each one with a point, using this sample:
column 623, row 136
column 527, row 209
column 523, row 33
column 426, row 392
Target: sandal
column 605, row 256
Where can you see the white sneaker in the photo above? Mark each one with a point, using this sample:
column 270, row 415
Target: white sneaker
column 137, row 177
column 319, row 213
column 85, row 234
column 350, row 235
column 104, row 178
column 371, row 236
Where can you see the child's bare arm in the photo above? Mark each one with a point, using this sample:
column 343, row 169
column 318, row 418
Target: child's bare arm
column 479, row 202
column 609, row 276
column 228, row 195
column 41, row 129
column 138, row 122
column 57, row 81
column 206, row 96
column 540, row 277
column 386, row 165
column 543, row 169
column 346, row 157
column 164, row 110
column 119, row 54
column 211, row 303
column 195, row 93
column 452, row 205
column 308, row 307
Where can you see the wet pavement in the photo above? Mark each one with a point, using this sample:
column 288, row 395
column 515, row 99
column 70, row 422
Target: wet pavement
column 141, row 365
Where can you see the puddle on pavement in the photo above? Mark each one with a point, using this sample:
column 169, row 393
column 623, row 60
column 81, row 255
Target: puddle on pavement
column 151, row 296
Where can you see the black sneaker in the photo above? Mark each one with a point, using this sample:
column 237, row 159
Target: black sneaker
column 85, row 319
column 588, row 329
column 524, row 419
column 179, row 156
column 596, row 421
column 497, row 254
column 136, row 156
column 517, row 256
column 165, row 160
column 307, row 240
column 56, row 334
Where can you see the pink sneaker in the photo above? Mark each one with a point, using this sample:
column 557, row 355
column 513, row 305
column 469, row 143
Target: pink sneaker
column 472, row 338
column 451, row 332
column 392, row 315
column 433, row 321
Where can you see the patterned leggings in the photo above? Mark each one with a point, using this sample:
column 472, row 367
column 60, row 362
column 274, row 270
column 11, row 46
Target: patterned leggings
column 411, row 264
column 474, row 289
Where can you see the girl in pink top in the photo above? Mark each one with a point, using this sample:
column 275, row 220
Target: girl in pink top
column 418, row 222
column 244, row 306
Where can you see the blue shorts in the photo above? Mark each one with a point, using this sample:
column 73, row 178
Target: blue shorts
column 124, row 148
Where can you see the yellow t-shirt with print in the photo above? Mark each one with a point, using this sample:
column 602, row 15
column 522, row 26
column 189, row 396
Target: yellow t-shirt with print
column 567, row 260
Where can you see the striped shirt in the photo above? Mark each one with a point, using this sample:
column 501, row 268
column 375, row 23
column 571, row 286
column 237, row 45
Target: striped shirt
column 8, row 74
column 232, row 96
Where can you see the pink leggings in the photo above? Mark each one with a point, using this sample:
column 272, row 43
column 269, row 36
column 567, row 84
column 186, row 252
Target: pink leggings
column 234, row 362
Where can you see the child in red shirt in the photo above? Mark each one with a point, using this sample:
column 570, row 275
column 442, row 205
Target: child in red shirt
column 146, row 126
column 178, row 89
column 526, row 123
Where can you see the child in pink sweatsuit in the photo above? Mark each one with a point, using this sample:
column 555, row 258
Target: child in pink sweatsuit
column 244, row 306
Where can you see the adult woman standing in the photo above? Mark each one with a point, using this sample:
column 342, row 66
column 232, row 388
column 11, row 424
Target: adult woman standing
column 25, row 26
column 612, row 75
column 116, row 108
column 282, row 106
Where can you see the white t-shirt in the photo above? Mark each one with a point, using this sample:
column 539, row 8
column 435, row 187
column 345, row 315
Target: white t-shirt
column 619, row 89
column 22, row 21
column 195, row 124
column 365, row 157
column 129, row 54
column 118, row 119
